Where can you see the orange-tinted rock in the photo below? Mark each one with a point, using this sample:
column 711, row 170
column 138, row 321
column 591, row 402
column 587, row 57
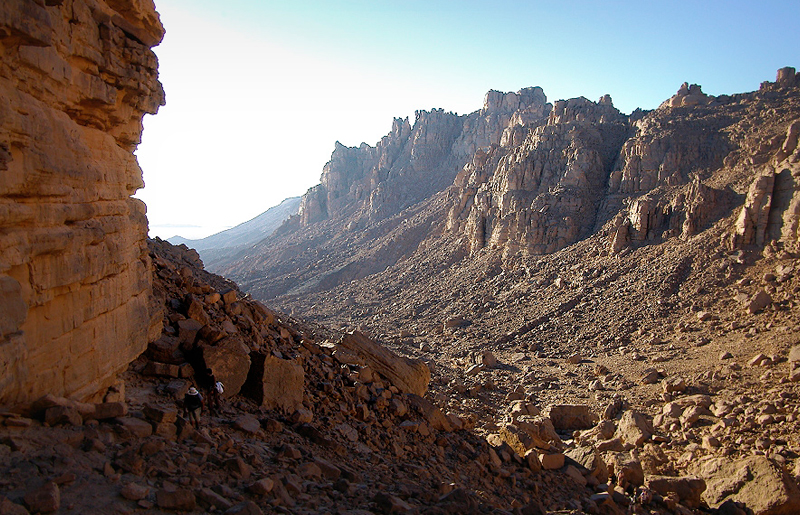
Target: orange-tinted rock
column 75, row 80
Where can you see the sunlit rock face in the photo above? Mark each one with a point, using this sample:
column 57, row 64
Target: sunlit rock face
column 541, row 187
column 76, row 78
column 413, row 162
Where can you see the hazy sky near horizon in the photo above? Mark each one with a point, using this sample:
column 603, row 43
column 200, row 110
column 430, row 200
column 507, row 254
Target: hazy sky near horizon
column 258, row 91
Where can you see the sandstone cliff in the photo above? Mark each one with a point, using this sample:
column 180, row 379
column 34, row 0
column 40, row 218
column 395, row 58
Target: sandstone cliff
column 75, row 80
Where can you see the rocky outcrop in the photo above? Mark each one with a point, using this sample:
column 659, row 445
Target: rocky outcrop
column 771, row 210
column 530, row 177
column 751, row 226
column 543, row 193
column 665, row 147
column 411, row 163
column 75, row 80
column 688, row 96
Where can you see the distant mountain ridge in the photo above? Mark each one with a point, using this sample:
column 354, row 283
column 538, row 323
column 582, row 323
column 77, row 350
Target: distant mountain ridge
column 217, row 247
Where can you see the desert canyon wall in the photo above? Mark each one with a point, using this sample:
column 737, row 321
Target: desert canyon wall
column 529, row 177
column 76, row 78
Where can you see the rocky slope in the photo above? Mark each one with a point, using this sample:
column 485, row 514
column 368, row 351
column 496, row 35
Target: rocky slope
column 75, row 80
column 671, row 292
column 311, row 421
column 367, row 192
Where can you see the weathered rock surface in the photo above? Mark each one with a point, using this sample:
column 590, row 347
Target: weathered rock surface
column 542, row 193
column 75, row 80
column 411, row 376
column 756, row 481
column 230, row 361
column 688, row 489
column 275, row 382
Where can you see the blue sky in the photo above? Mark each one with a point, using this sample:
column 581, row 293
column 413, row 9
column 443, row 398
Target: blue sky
column 259, row 91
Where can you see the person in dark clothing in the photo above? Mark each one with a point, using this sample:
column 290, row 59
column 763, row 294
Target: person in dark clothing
column 214, row 391
column 193, row 406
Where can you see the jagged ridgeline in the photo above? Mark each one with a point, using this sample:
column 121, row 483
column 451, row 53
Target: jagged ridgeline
column 522, row 175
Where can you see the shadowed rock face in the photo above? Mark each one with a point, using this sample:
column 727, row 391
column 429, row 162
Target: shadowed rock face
column 75, row 80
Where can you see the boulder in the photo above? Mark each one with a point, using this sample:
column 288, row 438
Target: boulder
column 261, row 487
column 530, row 433
column 432, row 414
column 247, row 423
column 108, row 410
column 794, row 354
column 58, row 415
column 409, row 375
column 134, row 492
column 229, row 359
column 552, row 461
column 135, row 426
column 520, row 440
column 794, row 364
column 46, row 499
column 756, row 481
column 531, row 458
column 758, row 302
column 571, row 416
column 10, row 508
column 519, row 408
column 160, row 414
column 589, row 458
column 166, row 349
column 274, row 382
column 688, row 489
column 542, row 429
column 229, row 297
column 634, row 428
column 211, row 498
column 196, row 311
column 627, row 469
column 155, row 368
column 488, row 359
column 187, row 332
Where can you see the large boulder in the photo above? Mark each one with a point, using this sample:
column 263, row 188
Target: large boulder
column 688, row 489
column 409, row 375
column 634, row 428
column 432, row 415
column 587, row 457
column 274, row 382
column 229, row 359
column 756, row 481
column 530, row 433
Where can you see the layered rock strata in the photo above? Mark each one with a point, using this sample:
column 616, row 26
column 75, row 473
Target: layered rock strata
column 75, row 80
